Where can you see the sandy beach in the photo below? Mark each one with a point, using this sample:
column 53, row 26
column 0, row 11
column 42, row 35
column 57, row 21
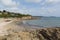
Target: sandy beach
column 3, row 23
column 9, row 30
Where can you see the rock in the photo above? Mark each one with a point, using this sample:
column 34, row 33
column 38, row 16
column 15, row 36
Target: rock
column 15, row 33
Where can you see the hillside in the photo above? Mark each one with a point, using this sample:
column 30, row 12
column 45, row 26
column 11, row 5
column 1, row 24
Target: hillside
column 7, row 14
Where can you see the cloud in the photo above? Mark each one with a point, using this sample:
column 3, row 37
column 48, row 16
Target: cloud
column 12, row 6
column 9, row 3
column 44, row 8
column 33, row 1
column 53, row 0
column 42, row 1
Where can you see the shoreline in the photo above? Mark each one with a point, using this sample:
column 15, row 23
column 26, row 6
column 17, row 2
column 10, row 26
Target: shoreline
column 24, row 23
column 12, row 31
column 20, row 22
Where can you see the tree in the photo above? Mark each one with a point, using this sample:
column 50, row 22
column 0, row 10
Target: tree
column 7, row 14
column 0, row 11
column 4, row 10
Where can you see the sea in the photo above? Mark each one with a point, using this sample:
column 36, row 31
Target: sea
column 44, row 22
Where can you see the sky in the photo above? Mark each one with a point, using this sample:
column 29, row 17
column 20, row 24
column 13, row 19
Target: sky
column 33, row 7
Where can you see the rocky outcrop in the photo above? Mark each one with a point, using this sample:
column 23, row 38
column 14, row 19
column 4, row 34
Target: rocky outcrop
column 36, row 34
column 27, row 17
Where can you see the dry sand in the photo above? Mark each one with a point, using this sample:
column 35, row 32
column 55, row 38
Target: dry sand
column 3, row 23
column 11, row 31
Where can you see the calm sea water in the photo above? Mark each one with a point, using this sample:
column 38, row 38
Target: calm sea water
column 45, row 22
